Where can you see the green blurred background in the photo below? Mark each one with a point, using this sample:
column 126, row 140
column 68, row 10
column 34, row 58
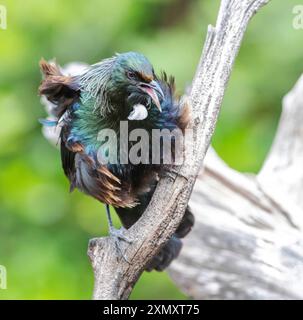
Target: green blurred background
column 44, row 230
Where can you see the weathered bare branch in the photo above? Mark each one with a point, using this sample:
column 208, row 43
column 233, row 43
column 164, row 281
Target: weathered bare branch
column 247, row 242
column 114, row 277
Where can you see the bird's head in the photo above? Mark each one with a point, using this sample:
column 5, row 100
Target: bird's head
column 115, row 85
column 133, row 80
column 123, row 81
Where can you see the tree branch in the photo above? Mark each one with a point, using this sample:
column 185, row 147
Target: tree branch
column 247, row 241
column 114, row 277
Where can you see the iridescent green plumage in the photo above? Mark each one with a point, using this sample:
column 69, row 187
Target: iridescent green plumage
column 100, row 98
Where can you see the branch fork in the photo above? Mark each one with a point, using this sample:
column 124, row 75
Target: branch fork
column 114, row 277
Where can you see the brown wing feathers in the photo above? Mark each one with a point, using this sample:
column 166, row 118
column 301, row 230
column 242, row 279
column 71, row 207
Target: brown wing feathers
column 61, row 90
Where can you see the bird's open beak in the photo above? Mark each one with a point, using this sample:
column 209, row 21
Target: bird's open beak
column 154, row 91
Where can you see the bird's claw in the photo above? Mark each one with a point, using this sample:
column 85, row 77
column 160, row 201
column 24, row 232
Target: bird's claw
column 118, row 236
column 170, row 173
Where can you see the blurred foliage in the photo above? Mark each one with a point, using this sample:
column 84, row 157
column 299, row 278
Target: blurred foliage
column 44, row 230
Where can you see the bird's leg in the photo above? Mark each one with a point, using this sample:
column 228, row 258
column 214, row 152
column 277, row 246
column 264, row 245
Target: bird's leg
column 116, row 234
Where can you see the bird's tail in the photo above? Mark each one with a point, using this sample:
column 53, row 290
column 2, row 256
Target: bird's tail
column 172, row 248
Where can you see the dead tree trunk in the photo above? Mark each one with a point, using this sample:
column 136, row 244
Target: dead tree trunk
column 248, row 238
column 114, row 277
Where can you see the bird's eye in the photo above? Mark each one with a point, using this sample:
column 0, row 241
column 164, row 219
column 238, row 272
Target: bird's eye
column 131, row 75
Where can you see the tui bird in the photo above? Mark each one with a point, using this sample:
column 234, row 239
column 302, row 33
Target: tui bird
column 121, row 88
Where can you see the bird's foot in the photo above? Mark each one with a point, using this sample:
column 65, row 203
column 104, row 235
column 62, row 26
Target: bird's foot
column 172, row 173
column 169, row 173
column 118, row 236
